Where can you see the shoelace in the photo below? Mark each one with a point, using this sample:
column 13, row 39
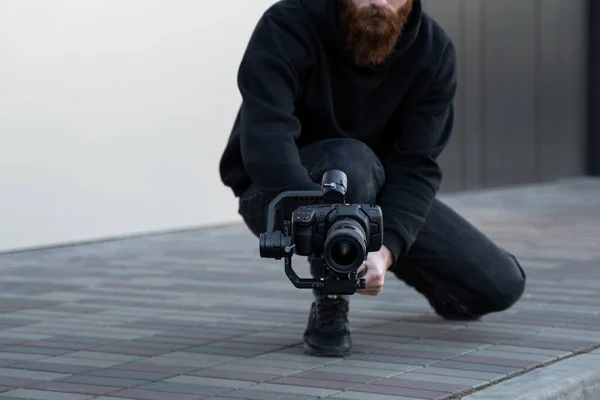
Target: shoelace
column 331, row 311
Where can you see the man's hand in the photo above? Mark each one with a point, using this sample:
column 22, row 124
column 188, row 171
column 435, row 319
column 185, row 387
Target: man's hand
column 377, row 265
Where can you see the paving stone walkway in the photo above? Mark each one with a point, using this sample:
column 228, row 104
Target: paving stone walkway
column 198, row 315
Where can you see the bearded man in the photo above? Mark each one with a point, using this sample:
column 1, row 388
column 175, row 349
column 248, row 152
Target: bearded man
column 367, row 87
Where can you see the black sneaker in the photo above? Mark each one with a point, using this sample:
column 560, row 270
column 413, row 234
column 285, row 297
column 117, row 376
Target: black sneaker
column 328, row 331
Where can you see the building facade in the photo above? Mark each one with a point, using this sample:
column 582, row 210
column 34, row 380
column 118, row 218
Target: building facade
column 528, row 72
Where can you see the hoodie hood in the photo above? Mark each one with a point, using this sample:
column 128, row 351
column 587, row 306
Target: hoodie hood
column 325, row 15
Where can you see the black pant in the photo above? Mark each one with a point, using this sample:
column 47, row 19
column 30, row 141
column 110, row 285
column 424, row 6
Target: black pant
column 460, row 271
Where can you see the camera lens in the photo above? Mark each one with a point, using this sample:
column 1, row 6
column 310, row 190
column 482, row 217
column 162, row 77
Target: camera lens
column 345, row 247
column 344, row 253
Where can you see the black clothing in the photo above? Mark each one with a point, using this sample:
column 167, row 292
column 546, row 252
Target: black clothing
column 300, row 86
column 458, row 269
column 327, row 332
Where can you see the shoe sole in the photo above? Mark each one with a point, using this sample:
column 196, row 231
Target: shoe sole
column 311, row 351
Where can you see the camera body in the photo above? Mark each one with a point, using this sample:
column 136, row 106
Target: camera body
column 336, row 236
column 342, row 233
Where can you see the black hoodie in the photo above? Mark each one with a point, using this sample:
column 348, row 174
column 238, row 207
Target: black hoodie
column 299, row 85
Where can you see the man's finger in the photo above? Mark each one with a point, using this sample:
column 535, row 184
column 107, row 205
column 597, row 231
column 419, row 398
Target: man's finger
column 362, row 271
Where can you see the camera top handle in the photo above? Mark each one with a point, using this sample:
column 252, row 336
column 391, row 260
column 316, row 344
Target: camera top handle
column 333, row 190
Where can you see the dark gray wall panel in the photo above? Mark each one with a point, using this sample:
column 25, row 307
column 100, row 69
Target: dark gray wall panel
column 510, row 75
column 521, row 105
column 447, row 14
column 473, row 88
column 561, row 88
column 573, row 33
column 550, row 101
column 594, row 88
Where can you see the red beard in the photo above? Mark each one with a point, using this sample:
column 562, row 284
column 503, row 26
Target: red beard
column 371, row 32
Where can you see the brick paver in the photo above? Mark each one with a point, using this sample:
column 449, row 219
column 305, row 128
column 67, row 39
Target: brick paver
column 198, row 315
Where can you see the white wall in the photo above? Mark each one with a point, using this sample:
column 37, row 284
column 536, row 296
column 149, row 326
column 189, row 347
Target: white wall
column 114, row 113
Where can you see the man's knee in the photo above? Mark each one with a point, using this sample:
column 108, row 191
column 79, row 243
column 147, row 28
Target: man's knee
column 505, row 288
column 362, row 167
column 499, row 292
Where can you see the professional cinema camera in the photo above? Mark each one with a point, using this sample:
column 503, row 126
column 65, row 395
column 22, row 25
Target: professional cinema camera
column 320, row 225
